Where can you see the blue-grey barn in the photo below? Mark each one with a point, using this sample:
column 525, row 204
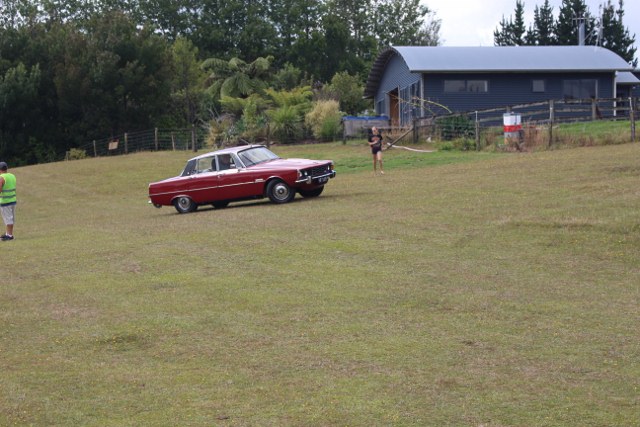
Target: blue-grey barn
column 409, row 81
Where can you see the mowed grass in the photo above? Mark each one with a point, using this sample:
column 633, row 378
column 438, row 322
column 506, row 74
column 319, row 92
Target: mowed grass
column 460, row 289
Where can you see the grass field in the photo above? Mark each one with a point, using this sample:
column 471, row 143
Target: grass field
column 460, row 289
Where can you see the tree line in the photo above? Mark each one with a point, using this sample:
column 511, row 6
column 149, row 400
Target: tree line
column 606, row 28
column 76, row 70
column 73, row 71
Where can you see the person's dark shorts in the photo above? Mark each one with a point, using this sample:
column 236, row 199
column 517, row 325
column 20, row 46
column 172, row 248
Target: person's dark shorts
column 375, row 149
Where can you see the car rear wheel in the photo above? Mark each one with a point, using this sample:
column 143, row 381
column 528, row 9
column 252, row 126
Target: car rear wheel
column 279, row 192
column 311, row 193
column 184, row 205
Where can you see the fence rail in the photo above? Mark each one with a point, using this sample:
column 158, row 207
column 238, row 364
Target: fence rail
column 540, row 122
column 147, row 140
column 478, row 129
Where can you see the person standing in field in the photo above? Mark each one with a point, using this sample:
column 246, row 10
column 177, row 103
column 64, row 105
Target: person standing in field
column 7, row 200
column 375, row 142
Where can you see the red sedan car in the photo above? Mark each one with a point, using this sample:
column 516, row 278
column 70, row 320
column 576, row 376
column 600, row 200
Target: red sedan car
column 240, row 173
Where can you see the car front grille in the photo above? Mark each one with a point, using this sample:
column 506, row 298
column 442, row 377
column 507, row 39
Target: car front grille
column 319, row 170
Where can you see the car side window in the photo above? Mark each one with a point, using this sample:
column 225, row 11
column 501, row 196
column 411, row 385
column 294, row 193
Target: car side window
column 225, row 162
column 206, row 164
column 189, row 169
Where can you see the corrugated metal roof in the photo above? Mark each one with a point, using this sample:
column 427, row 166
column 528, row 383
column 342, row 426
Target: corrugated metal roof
column 627, row 78
column 511, row 59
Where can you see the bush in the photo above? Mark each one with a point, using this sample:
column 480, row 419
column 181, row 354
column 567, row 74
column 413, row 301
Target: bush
column 76, row 154
column 325, row 120
column 286, row 124
column 464, row 144
column 453, row 127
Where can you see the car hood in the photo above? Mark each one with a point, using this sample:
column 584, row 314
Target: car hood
column 290, row 164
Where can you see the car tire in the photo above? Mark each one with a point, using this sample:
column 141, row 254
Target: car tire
column 220, row 205
column 279, row 192
column 311, row 193
column 184, row 204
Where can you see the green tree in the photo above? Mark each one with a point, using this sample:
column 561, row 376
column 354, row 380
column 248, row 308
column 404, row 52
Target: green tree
column 349, row 91
column 511, row 32
column 237, row 78
column 543, row 31
column 187, row 80
column 19, row 87
column 615, row 36
column 429, row 33
column 400, row 22
column 572, row 13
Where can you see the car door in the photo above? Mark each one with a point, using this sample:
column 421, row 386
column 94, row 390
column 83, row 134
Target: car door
column 233, row 180
column 203, row 184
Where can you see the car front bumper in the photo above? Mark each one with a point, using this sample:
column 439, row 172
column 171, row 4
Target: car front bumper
column 319, row 179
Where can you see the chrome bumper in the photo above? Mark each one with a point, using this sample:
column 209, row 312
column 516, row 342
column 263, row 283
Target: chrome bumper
column 320, row 179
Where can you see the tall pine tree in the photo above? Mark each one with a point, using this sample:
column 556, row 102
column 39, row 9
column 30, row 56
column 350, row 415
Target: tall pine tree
column 614, row 35
column 572, row 13
column 512, row 32
column 543, row 32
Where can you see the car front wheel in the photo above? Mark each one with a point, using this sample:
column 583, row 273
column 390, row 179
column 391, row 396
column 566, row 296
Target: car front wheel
column 279, row 192
column 184, row 205
column 311, row 193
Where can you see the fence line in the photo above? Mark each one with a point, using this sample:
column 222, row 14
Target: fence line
column 156, row 139
column 485, row 127
column 478, row 129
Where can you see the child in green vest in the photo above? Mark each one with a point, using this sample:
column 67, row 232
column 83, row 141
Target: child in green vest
column 7, row 200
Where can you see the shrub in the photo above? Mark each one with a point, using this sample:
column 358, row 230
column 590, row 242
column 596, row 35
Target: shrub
column 76, row 154
column 464, row 144
column 452, row 127
column 286, row 124
column 325, row 119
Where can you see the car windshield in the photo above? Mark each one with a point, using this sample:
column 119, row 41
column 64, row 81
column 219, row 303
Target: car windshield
column 256, row 155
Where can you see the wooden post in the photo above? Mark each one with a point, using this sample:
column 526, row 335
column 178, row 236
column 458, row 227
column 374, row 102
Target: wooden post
column 552, row 115
column 477, row 135
column 594, row 107
column 344, row 132
column 155, row 138
column 193, row 138
column 415, row 131
column 126, row 143
column 173, row 141
column 95, row 149
column 632, row 118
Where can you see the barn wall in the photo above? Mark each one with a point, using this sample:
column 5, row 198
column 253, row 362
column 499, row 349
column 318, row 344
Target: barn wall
column 508, row 89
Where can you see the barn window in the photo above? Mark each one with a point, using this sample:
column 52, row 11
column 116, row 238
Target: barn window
column 580, row 89
column 455, row 85
column 477, row 86
column 538, row 86
column 474, row 86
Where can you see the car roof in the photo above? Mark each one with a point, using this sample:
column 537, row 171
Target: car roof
column 226, row 151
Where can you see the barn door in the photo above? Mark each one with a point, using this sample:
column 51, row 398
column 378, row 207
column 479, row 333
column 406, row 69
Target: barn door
column 394, row 108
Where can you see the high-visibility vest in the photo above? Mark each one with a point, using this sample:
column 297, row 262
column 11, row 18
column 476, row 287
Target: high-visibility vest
column 8, row 193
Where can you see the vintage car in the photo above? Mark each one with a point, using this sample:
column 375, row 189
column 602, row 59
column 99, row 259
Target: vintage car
column 240, row 173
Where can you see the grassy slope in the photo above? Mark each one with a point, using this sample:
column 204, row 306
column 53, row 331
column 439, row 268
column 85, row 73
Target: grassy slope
column 458, row 289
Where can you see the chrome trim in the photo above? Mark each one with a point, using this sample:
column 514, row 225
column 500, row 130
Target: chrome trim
column 313, row 178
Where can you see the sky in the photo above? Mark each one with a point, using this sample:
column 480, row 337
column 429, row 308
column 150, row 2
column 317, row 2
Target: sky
column 472, row 22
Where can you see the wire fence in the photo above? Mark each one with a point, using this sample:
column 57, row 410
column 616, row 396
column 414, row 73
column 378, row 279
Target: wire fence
column 542, row 124
column 147, row 140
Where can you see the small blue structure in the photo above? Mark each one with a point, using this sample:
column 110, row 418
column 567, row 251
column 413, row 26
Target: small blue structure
column 414, row 81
